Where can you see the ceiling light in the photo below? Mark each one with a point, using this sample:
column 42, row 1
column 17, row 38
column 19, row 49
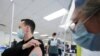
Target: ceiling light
column 15, row 33
column 56, row 14
column 36, row 32
column 62, row 26
column 44, row 35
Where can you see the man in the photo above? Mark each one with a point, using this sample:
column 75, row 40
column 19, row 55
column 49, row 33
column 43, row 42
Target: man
column 86, row 18
column 28, row 44
column 53, row 46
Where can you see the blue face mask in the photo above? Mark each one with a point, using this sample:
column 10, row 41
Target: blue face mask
column 85, row 39
column 20, row 34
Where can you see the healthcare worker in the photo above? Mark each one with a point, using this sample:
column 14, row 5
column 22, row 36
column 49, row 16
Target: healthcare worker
column 86, row 26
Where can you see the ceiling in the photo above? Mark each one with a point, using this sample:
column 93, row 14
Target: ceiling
column 35, row 10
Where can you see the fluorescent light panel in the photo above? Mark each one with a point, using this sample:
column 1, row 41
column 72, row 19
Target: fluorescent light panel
column 14, row 33
column 43, row 35
column 62, row 26
column 36, row 32
column 56, row 14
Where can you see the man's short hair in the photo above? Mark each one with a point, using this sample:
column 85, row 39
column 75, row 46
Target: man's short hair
column 30, row 23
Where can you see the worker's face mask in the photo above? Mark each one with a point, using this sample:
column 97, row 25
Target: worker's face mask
column 84, row 38
column 20, row 33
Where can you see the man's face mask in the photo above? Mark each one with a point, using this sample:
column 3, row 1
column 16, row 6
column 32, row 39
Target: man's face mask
column 86, row 39
column 20, row 33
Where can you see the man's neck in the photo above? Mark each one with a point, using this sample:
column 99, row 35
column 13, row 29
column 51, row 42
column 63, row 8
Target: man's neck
column 28, row 36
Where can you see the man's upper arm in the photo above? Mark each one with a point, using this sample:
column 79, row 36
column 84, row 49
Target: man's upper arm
column 36, row 51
